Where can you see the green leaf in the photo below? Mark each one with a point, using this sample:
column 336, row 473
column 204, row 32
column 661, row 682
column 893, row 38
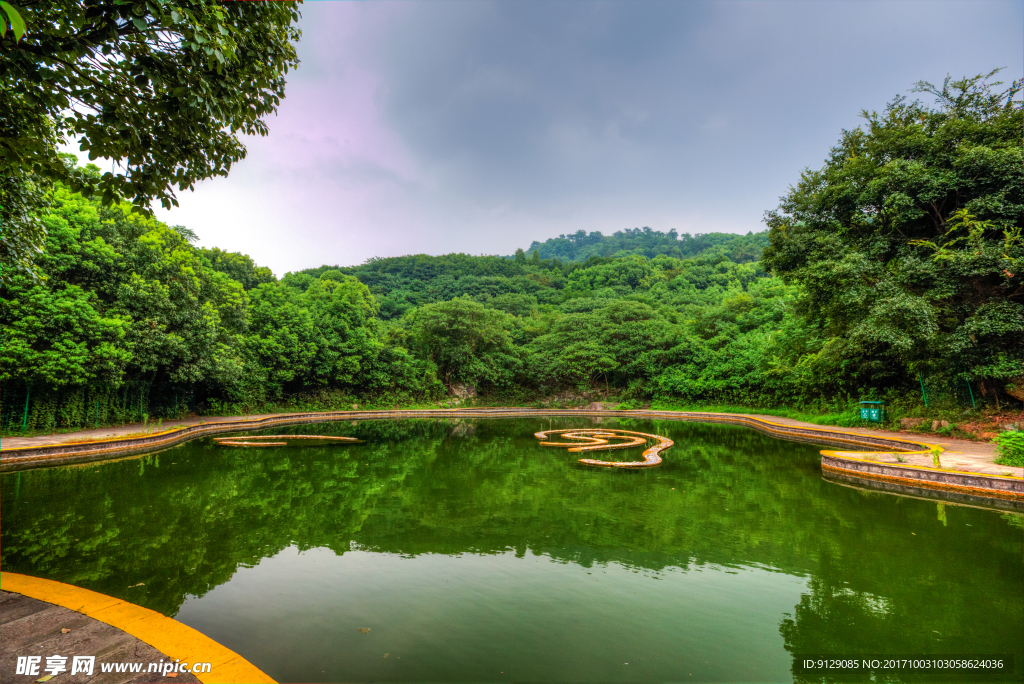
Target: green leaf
column 17, row 23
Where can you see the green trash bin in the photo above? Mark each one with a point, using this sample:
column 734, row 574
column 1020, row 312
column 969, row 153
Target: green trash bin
column 872, row 411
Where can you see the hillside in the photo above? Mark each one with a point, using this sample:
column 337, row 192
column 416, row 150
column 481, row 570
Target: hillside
column 872, row 294
column 580, row 246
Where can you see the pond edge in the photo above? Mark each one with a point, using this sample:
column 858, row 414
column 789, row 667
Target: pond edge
column 167, row 635
column 855, row 464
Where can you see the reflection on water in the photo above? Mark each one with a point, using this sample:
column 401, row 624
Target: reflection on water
column 472, row 553
column 454, row 615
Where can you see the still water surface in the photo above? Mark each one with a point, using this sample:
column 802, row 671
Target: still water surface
column 471, row 553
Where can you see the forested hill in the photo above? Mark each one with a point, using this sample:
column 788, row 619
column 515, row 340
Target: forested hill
column 576, row 247
column 580, row 246
column 401, row 283
column 871, row 293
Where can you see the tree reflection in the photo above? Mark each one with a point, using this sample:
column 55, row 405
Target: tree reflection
column 885, row 574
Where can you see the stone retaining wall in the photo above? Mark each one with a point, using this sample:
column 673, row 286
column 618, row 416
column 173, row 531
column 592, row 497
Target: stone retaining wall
column 974, row 483
column 953, row 496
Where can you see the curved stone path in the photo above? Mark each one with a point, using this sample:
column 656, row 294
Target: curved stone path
column 588, row 439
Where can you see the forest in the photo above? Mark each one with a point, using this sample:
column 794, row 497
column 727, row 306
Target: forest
column 892, row 272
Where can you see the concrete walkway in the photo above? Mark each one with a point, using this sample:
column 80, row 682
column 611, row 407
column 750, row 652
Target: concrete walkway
column 960, row 454
column 134, row 429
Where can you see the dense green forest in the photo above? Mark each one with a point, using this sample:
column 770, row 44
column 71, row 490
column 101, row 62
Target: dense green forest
column 898, row 265
column 580, row 246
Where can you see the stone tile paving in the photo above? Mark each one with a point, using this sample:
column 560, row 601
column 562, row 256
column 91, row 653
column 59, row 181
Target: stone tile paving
column 29, row 627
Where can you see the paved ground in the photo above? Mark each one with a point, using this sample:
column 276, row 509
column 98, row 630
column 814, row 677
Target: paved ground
column 29, row 627
column 948, row 460
column 960, row 454
column 132, row 429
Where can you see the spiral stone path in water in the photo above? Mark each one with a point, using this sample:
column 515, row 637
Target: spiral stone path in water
column 596, row 439
column 582, row 439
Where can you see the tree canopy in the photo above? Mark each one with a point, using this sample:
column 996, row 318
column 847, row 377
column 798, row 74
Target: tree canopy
column 469, row 342
column 897, row 263
column 581, row 245
column 907, row 243
column 164, row 89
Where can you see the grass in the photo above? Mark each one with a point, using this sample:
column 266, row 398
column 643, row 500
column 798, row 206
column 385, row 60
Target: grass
column 1010, row 447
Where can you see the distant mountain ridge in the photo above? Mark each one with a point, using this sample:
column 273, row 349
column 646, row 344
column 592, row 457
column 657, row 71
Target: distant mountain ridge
column 580, row 246
column 565, row 253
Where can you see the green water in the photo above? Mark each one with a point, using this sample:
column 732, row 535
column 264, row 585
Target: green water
column 472, row 554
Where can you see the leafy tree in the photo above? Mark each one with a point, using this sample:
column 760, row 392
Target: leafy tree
column 583, row 362
column 179, row 313
column 515, row 303
column 907, row 243
column 127, row 303
column 624, row 275
column 598, row 337
column 282, row 341
column 59, row 338
column 240, row 267
column 164, row 88
column 340, row 311
column 468, row 342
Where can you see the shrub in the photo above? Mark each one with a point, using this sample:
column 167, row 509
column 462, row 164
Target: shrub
column 1010, row 447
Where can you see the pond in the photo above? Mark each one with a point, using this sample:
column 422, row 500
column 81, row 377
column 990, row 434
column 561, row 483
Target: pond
column 462, row 550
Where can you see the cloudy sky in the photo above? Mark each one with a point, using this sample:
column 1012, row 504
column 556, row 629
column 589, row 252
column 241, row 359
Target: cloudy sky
column 439, row 126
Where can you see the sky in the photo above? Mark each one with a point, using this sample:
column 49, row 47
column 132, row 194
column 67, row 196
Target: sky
column 473, row 126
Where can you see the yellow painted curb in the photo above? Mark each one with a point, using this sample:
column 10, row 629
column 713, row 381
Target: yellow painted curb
column 731, row 417
column 1002, row 494
column 125, row 445
column 165, row 634
column 269, row 419
column 846, row 456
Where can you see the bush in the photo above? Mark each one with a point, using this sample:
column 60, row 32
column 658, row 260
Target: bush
column 1010, row 447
